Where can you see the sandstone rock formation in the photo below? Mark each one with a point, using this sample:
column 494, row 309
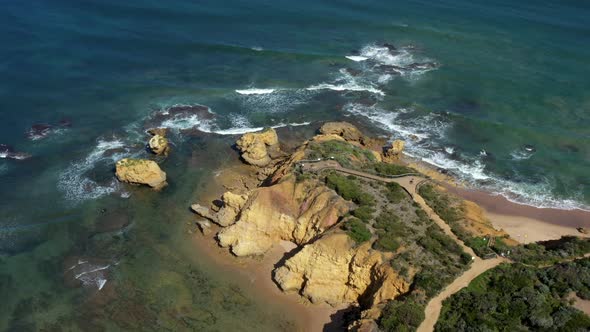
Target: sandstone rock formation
column 159, row 145
column 288, row 210
column 141, row 171
column 158, row 131
column 259, row 149
column 394, row 152
column 334, row 271
column 349, row 133
column 344, row 129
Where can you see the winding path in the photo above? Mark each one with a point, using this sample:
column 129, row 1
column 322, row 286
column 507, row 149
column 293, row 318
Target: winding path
column 409, row 183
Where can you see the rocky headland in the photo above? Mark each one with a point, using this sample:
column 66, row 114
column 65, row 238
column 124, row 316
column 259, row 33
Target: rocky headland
column 370, row 233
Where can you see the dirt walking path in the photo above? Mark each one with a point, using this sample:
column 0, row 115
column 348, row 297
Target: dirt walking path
column 410, row 184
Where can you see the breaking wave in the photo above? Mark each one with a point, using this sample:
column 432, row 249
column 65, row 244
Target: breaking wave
column 255, row 91
column 75, row 181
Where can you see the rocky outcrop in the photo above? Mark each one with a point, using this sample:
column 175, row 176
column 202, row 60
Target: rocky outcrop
column 259, row 149
column 394, row 151
column 343, row 129
column 141, row 171
column 334, row 271
column 288, row 210
column 349, row 133
column 227, row 213
column 159, row 145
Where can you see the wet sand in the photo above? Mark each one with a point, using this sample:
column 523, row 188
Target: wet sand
column 526, row 223
column 256, row 275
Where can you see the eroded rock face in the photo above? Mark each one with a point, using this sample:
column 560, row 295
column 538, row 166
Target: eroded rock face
column 334, row 271
column 159, row 145
column 141, row 171
column 259, row 149
column 394, row 152
column 343, row 129
column 288, row 211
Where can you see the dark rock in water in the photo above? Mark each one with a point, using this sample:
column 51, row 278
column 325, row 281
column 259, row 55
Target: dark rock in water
column 529, row 148
column 112, row 152
column 65, row 122
column 355, row 52
column 390, row 69
column 422, row 65
column 465, row 106
column 39, row 131
column 353, row 72
column 110, row 221
column 7, row 151
column 570, row 148
column 390, row 47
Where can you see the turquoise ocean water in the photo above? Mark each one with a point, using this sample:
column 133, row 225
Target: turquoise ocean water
column 494, row 91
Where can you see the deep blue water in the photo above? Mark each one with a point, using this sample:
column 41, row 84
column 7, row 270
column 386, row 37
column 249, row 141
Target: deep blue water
column 508, row 76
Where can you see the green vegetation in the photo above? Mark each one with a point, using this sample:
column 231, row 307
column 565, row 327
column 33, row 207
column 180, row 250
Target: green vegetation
column 395, row 193
column 446, row 208
column 349, row 189
column 364, row 213
column 357, row 230
column 390, row 169
column 550, row 252
column 403, row 315
column 515, row 297
column 441, row 204
column 345, row 153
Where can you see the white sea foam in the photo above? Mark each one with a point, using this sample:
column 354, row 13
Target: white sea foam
column 244, row 130
column 91, row 275
column 74, row 182
column 257, row 48
column 356, row 58
column 255, row 91
column 470, row 169
column 521, row 155
column 350, row 86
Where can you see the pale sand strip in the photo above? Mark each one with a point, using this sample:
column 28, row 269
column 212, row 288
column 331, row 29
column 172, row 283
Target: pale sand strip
column 527, row 230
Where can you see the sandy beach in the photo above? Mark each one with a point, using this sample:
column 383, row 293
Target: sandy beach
column 526, row 223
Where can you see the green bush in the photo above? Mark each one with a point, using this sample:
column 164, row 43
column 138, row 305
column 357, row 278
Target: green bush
column 401, row 316
column 386, row 242
column 391, row 223
column 514, row 297
column 441, row 204
column 349, row 189
column 343, row 152
column 391, row 169
column 364, row 213
column 357, row 230
column 395, row 193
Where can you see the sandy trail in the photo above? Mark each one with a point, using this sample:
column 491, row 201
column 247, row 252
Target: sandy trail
column 410, row 184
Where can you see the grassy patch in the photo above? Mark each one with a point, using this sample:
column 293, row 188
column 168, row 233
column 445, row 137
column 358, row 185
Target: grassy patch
column 364, row 213
column 357, row 230
column 349, row 189
column 343, row 152
column 395, row 193
column 391, row 169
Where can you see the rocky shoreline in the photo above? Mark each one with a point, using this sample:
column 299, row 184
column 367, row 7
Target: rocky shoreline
column 275, row 203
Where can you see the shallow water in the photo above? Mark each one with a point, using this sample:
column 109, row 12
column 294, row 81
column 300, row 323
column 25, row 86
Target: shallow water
column 494, row 77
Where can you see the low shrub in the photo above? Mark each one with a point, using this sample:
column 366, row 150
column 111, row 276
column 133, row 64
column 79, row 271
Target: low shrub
column 357, row 230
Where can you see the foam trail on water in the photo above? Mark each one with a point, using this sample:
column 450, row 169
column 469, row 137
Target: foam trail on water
column 254, row 91
column 356, row 58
